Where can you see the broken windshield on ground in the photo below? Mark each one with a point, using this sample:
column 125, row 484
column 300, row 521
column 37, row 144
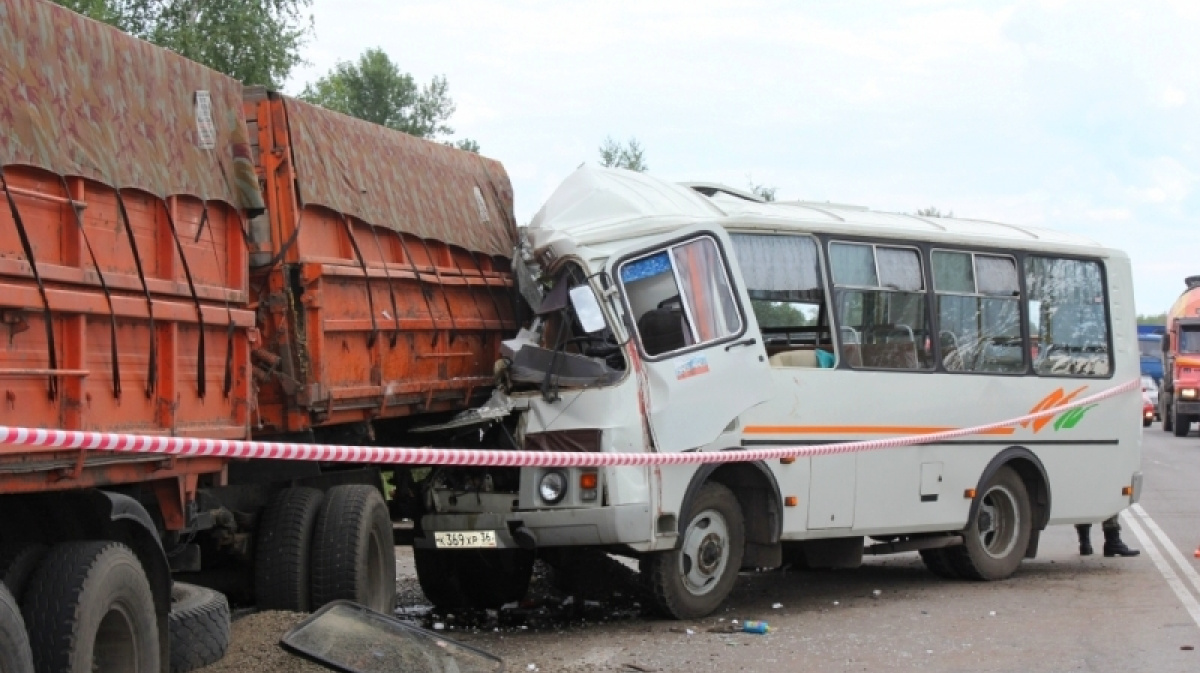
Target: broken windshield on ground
column 348, row 637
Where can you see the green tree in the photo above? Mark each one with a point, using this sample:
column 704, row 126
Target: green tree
column 629, row 156
column 933, row 212
column 255, row 41
column 373, row 88
column 1153, row 319
column 779, row 314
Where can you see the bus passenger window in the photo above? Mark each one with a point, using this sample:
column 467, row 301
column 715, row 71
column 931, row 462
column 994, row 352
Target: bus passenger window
column 880, row 308
column 783, row 279
column 978, row 311
column 1068, row 317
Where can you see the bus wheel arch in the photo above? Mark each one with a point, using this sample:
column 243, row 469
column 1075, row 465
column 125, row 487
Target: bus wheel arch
column 693, row 579
column 1026, row 464
column 757, row 493
column 1004, row 520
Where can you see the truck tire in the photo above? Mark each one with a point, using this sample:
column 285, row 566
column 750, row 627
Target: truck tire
column 199, row 627
column 998, row 535
column 1180, row 424
column 15, row 656
column 17, row 562
column 1164, row 410
column 692, row 581
column 473, row 578
column 283, row 550
column 353, row 554
column 89, row 609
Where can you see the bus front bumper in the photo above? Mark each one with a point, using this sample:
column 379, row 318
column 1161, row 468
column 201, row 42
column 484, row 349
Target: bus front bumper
column 610, row 525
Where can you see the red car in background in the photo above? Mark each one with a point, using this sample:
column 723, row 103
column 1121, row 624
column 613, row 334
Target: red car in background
column 1148, row 409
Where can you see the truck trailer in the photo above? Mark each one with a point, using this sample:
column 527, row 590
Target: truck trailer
column 183, row 256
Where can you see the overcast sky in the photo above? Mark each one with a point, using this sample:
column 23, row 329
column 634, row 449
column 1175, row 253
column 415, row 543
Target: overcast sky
column 1081, row 116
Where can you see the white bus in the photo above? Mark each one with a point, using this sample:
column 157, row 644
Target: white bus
column 670, row 318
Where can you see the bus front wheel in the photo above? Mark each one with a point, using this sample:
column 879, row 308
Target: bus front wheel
column 998, row 534
column 692, row 580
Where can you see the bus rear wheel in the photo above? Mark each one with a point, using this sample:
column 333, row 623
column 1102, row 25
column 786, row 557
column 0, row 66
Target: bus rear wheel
column 997, row 536
column 693, row 580
column 938, row 562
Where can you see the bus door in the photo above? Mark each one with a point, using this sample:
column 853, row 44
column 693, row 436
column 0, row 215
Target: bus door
column 704, row 361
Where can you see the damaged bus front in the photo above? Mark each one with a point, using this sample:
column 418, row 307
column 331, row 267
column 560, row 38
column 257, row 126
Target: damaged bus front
column 574, row 380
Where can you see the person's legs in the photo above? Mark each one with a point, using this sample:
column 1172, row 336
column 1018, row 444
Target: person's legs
column 1085, row 538
column 1113, row 546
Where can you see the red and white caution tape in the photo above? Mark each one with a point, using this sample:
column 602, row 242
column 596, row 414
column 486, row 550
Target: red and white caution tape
column 229, row 448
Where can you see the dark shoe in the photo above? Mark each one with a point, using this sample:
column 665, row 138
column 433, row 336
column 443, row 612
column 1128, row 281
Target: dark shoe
column 1113, row 545
column 1085, row 539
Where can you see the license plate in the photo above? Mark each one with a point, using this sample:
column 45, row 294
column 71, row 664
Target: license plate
column 464, row 539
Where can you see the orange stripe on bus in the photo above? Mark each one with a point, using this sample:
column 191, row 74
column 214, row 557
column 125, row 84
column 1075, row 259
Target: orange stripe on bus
column 857, row 430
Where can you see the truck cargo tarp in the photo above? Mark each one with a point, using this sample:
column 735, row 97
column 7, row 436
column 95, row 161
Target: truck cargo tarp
column 395, row 180
column 81, row 98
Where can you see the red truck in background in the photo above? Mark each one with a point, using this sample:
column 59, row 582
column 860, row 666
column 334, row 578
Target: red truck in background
column 1179, row 398
column 183, row 256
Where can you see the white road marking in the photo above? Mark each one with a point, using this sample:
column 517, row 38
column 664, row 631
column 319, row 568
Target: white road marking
column 1173, row 581
column 1172, row 551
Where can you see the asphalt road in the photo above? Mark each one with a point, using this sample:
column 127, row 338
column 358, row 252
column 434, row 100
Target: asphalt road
column 1060, row 612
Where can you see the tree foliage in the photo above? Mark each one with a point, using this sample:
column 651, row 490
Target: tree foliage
column 780, row 314
column 255, row 41
column 373, row 88
column 629, row 156
column 1152, row 319
column 933, row 212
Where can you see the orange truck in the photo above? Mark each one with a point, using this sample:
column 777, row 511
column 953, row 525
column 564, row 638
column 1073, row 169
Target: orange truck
column 184, row 256
column 1179, row 398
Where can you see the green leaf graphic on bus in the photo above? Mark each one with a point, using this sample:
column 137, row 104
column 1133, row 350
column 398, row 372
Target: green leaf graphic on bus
column 1071, row 418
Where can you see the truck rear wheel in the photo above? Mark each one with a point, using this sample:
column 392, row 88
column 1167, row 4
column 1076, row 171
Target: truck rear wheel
column 15, row 656
column 692, row 581
column 89, row 609
column 283, row 550
column 998, row 535
column 17, row 563
column 1164, row 410
column 473, row 578
column 353, row 554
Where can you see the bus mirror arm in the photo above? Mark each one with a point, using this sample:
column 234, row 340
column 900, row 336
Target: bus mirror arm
column 744, row 342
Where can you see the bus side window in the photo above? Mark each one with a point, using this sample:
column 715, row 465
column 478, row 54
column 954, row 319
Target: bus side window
column 1068, row 317
column 880, row 306
column 978, row 312
column 783, row 278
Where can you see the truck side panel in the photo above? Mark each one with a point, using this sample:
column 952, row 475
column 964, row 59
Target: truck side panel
column 365, row 320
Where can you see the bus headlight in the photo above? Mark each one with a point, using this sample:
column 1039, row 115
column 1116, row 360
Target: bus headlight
column 553, row 487
column 1187, row 393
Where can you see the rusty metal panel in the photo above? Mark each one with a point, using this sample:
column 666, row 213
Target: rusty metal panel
column 407, row 184
column 84, row 99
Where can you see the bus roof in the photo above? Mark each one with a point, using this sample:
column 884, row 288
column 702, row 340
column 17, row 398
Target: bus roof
column 606, row 208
